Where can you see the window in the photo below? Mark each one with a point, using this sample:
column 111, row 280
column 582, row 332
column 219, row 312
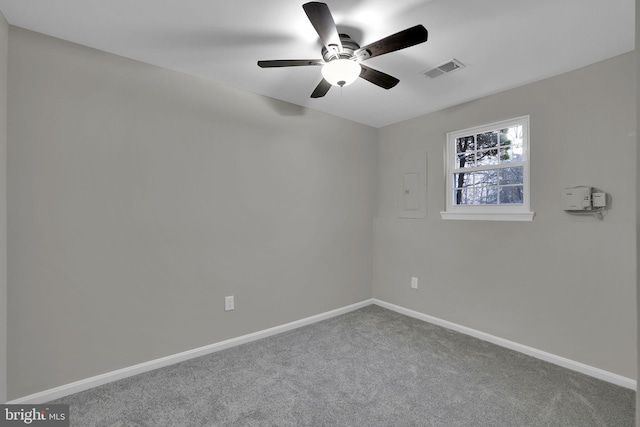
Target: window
column 488, row 172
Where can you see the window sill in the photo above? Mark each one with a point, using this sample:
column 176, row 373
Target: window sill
column 488, row 216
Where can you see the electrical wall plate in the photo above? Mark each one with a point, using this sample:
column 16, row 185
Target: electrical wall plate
column 229, row 303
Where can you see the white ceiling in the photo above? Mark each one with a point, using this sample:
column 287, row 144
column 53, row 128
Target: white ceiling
column 503, row 43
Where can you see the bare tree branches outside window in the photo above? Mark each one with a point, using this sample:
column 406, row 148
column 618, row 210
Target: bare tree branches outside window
column 487, row 170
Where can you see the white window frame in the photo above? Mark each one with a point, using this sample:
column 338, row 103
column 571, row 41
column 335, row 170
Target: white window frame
column 520, row 212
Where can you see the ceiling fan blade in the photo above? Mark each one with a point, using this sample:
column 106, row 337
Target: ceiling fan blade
column 378, row 78
column 406, row 38
column 322, row 20
column 290, row 63
column 322, row 89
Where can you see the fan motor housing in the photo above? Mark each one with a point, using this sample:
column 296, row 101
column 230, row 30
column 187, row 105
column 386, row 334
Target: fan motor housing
column 348, row 49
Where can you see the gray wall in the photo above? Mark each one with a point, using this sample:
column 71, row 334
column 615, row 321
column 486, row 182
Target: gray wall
column 561, row 284
column 637, row 205
column 4, row 46
column 140, row 197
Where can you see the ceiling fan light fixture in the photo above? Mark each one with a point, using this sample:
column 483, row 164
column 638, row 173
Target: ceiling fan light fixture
column 342, row 56
column 341, row 72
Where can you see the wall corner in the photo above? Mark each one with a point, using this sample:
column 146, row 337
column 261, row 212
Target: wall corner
column 4, row 53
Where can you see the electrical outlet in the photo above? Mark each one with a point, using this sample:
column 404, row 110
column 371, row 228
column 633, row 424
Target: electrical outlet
column 228, row 303
column 414, row 283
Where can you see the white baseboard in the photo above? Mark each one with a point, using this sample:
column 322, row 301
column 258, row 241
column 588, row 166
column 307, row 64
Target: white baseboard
column 86, row 384
column 530, row 351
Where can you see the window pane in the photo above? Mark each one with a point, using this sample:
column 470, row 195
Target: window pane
column 512, row 153
column 463, row 196
column 461, row 180
column 486, row 177
column 465, row 144
column 476, row 195
column 511, row 195
column 487, row 140
column 488, row 157
column 486, row 195
column 512, row 175
column 465, row 161
column 511, row 136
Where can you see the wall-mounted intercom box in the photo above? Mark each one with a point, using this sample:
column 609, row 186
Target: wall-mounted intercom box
column 576, row 199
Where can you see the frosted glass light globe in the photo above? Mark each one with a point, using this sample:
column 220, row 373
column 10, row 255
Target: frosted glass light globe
column 341, row 72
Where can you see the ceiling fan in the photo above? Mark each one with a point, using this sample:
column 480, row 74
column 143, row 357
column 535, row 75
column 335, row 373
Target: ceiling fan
column 342, row 57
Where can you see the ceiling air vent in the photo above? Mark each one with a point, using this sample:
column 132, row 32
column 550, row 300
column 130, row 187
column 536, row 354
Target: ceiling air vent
column 441, row 69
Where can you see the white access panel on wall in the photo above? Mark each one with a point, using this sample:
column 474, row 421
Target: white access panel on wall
column 412, row 186
column 411, row 192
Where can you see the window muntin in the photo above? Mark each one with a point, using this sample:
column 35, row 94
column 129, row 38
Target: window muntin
column 487, row 168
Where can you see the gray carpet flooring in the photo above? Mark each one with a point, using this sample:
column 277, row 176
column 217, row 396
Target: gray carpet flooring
column 370, row 367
